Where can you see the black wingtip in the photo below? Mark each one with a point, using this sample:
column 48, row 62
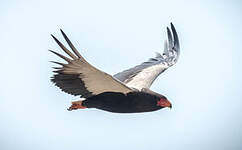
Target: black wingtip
column 63, row 47
column 54, row 38
column 169, row 33
column 62, row 32
column 63, row 57
column 170, row 38
column 51, row 51
column 176, row 40
column 55, row 62
column 72, row 46
column 172, row 24
column 172, row 27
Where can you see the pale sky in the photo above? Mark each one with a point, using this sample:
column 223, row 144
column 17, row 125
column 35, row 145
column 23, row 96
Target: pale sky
column 204, row 86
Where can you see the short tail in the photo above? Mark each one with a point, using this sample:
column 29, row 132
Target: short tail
column 76, row 105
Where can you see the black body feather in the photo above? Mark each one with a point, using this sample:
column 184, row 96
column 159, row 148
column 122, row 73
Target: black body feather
column 132, row 102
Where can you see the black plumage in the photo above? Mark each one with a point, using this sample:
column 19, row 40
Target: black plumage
column 132, row 102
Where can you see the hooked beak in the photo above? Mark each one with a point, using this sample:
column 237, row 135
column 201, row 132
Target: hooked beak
column 164, row 103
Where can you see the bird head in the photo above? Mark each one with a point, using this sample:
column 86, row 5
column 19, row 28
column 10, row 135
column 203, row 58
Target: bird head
column 163, row 102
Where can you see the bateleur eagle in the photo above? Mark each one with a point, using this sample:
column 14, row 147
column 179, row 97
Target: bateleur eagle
column 124, row 92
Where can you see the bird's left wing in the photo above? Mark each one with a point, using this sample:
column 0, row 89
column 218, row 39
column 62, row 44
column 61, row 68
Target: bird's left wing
column 78, row 77
column 143, row 75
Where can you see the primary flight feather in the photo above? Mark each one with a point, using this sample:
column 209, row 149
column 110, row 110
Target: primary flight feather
column 125, row 92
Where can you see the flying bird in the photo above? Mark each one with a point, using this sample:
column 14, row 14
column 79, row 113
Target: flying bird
column 125, row 92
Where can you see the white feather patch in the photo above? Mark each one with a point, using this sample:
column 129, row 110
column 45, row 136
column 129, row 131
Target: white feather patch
column 145, row 78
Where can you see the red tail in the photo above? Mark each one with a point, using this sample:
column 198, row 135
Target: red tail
column 76, row 105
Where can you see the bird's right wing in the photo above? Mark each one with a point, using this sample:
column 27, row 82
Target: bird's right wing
column 78, row 77
column 143, row 75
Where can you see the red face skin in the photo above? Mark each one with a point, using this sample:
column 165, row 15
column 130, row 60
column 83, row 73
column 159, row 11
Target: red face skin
column 164, row 103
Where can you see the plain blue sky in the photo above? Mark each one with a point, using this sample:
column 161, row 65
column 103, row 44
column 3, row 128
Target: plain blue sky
column 204, row 86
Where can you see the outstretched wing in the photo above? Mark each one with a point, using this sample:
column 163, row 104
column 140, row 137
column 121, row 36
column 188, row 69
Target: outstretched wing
column 78, row 77
column 143, row 75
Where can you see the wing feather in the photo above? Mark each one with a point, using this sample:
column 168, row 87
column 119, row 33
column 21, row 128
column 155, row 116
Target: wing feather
column 143, row 75
column 72, row 46
column 78, row 77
